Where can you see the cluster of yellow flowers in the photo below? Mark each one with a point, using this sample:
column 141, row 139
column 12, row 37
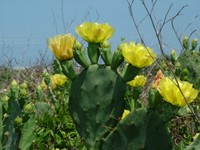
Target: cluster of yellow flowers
column 62, row 45
column 137, row 55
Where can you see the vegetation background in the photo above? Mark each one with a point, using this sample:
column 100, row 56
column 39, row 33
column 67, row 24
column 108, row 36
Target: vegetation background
column 149, row 22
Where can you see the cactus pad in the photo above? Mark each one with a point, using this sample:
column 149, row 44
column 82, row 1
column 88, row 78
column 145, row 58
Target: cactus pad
column 96, row 103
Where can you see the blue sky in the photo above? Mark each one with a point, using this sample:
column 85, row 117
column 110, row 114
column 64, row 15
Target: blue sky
column 25, row 25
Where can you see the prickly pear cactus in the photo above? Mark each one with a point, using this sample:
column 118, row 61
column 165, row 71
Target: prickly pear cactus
column 17, row 122
column 96, row 101
column 139, row 130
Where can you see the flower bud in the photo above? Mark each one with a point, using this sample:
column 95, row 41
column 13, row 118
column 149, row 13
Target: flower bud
column 81, row 57
column 105, row 44
column 185, row 78
column 14, row 90
column 38, row 88
column 6, row 115
column 5, row 98
column 18, row 120
column 28, row 107
column 77, row 45
column 194, row 44
column 23, row 85
column 39, row 93
column 178, row 65
column 14, row 83
column 106, row 53
column 47, row 78
column 117, row 59
column 56, row 66
column 186, row 43
column 185, row 71
column 93, row 52
column 23, row 92
column 68, row 70
column 126, row 112
column 173, row 55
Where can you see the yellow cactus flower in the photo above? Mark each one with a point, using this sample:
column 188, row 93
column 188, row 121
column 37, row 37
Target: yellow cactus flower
column 94, row 32
column 138, row 81
column 172, row 94
column 59, row 80
column 62, row 46
column 56, row 80
column 137, row 55
column 126, row 112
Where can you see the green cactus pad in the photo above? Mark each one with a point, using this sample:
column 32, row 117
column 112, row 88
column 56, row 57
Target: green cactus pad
column 96, row 103
column 140, row 130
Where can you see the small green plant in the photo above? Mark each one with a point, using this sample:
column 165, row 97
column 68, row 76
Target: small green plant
column 17, row 119
column 37, row 119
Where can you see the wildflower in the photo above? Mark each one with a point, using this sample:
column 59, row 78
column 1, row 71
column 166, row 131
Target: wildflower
column 94, row 32
column 156, row 79
column 137, row 55
column 56, row 80
column 138, row 81
column 126, row 112
column 172, row 94
column 62, row 46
